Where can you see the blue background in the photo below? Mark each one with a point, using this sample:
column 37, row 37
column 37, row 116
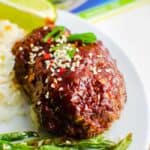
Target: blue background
column 90, row 4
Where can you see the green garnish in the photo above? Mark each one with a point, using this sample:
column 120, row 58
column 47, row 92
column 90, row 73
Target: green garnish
column 53, row 143
column 55, row 33
column 71, row 52
column 86, row 38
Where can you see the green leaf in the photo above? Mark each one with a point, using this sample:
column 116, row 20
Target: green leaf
column 86, row 38
column 58, row 30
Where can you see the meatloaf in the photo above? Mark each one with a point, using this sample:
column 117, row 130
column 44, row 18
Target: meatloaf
column 74, row 86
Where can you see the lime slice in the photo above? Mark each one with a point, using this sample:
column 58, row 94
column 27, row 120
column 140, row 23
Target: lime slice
column 28, row 14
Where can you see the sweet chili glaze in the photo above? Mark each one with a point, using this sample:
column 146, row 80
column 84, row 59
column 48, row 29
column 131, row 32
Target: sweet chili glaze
column 77, row 96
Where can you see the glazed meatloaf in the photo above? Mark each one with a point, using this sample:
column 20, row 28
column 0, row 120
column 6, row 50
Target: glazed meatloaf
column 74, row 84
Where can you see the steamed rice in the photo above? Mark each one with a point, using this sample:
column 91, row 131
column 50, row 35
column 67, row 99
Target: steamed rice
column 12, row 99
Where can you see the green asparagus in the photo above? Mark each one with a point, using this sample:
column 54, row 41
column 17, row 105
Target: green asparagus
column 14, row 136
column 53, row 143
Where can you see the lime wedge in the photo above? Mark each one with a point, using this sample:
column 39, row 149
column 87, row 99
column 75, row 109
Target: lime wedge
column 28, row 14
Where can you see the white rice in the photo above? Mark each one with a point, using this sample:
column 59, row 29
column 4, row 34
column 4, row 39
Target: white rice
column 12, row 99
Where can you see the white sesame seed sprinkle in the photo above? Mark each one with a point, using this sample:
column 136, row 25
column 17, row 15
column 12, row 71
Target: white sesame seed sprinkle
column 59, row 79
column 72, row 68
column 20, row 48
column 99, row 70
column 53, row 74
column 90, row 55
column 47, row 95
column 100, row 56
column 31, row 45
column 46, row 80
column 40, row 54
column 26, row 77
column 94, row 70
column 52, row 70
column 47, row 62
column 55, row 80
column 38, row 102
column 61, row 89
column 32, row 57
column 35, row 49
column 45, row 27
column 53, row 85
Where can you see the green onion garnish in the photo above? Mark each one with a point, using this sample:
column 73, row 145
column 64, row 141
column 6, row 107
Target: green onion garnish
column 86, row 38
column 71, row 52
column 56, row 32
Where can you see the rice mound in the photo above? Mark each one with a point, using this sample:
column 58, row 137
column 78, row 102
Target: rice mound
column 12, row 99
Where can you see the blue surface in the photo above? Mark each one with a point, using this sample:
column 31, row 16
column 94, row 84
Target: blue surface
column 90, row 4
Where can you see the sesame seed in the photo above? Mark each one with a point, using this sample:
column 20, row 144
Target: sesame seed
column 47, row 62
column 56, row 109
column 40, row 54
column 52, row 85
column 53, row 74
column 90, row 55
column 20, row 48
column 77, row 57
column 38, row 102
column 32, row 57
column 77, row 50
column 99, row 96
column 26, row 77
column 31, row 45
column 55, row 80
column 52, row 70
column 100, row 56
column 45, row 27
column 61, row 89
column 35, row 49
column 94, row 70
column 59, row 79
column 46, row 80
column 99, row 70
column 58, row 70
column 109, row 70
column 47, row 95
column 72, row 68
column 86, row 108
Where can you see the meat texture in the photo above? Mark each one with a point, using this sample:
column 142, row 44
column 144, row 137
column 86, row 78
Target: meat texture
column 76, row 88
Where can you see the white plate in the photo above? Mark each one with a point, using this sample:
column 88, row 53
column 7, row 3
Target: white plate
column 134, row 117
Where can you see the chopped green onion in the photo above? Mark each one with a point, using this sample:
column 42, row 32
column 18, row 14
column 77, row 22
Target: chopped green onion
column 71, row 52
column 86, row 38
column 58, row 47
column 57, row 31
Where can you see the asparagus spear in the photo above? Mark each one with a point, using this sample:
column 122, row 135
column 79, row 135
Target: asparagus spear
column 97, row 143
column 14, row 136
column 124, row 143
